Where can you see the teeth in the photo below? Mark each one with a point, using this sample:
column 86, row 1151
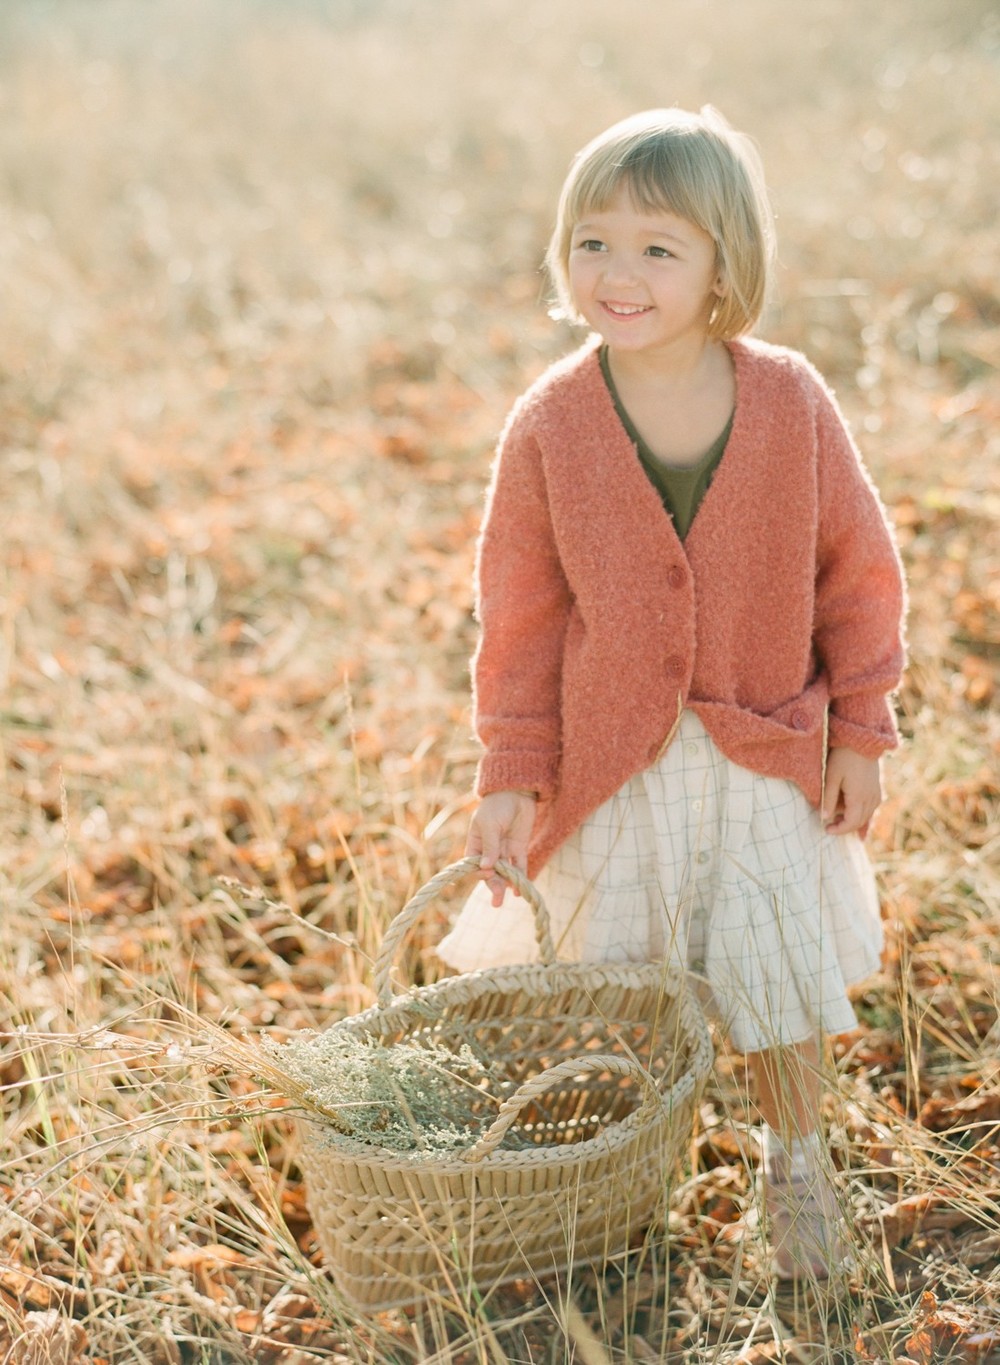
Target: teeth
column 625, row 310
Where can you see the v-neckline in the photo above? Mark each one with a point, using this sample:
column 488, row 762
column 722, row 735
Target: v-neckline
column 619, row 441
column 646, row 453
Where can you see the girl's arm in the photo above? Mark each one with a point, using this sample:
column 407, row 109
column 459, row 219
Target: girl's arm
column 860, row 595
column 522, row 603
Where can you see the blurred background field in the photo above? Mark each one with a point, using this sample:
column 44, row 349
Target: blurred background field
column 270, row 281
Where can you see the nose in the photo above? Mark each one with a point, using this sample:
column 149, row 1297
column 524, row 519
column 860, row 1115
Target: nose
column 619, row 269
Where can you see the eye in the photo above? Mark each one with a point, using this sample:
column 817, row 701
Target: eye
column 590, row 244
column 660, row 252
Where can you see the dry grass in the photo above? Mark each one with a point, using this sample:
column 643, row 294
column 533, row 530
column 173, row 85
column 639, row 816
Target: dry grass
column 270, row 282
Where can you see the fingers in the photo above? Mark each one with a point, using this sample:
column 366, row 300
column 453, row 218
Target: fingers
column 486, row 844
column 834, row 800
column 851, row 793
column 496, row 883
column 501, row 828
column 849, row 812
column 486, row 841
column 856, row 814
column 831, row 799
column 508, row 852
column 498, row 886
column 850, row 818
column 839, row 810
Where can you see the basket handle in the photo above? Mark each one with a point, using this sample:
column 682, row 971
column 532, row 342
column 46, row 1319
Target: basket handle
column 538, row 1085
column 400, row 926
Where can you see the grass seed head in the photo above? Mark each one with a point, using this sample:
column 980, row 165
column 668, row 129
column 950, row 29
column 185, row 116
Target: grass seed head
column 405, row 1096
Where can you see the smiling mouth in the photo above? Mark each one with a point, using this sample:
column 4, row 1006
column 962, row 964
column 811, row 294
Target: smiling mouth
column 626, row 310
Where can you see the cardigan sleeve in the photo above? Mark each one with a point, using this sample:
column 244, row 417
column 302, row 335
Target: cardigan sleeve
column 522, row 604
column 860, row 593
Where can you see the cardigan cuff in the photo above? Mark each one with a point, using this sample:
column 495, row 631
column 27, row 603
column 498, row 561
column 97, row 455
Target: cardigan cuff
column 864, row 723
column 518, row 772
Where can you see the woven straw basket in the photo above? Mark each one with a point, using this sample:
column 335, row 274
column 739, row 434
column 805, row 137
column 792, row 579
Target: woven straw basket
column 600, row 1069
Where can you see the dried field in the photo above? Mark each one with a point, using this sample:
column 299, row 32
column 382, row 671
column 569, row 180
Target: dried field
column 270, row 281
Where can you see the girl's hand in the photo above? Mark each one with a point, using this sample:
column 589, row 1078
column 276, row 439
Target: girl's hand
column 852, row 792
column 501, row 828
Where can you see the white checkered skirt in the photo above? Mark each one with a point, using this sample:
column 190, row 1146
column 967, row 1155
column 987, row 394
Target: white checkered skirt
column 717, row 869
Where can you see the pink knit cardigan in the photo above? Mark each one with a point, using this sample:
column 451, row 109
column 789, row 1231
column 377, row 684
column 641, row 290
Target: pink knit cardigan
column 780, row 614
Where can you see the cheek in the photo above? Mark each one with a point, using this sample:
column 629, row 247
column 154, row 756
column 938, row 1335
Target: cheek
column 580, row 284
column 579, row 277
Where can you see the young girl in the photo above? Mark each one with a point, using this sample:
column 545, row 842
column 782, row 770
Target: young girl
column 691, row 612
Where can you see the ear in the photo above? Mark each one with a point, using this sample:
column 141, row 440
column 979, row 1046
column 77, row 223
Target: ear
column 720, row 286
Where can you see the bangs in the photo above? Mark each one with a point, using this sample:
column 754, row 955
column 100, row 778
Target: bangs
column 654, row 175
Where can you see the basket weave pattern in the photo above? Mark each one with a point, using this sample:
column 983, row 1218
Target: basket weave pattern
column 599, row 1070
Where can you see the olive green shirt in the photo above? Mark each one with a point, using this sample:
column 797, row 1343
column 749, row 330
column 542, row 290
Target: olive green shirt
column 681, row 487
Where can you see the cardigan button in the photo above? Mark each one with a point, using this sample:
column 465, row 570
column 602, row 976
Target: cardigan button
column 800, row 719
column 676, row 577
column 675, row 666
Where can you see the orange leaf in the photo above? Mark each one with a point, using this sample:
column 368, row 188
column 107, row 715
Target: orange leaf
column 920, row 1211
column 212, row 1253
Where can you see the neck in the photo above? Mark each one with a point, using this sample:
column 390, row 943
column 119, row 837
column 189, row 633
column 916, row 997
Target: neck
column 683, row 364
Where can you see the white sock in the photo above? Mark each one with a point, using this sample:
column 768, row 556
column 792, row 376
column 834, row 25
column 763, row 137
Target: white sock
column 799, row 1158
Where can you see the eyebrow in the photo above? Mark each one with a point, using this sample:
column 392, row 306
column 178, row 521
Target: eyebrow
column 653, row 232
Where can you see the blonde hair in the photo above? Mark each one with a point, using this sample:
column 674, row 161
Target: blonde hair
column 693, row 165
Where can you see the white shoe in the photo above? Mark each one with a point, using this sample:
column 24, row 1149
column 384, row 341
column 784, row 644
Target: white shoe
column 805, row 1223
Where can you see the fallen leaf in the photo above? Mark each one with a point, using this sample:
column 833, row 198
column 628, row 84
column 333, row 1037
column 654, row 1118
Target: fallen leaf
column 47, row 1338
column 26, row 1290
column 934, row 1210
column 213, row 1253
column 941, row 1113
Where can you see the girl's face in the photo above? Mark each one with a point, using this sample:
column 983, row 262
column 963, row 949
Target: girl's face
column 647, row 282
